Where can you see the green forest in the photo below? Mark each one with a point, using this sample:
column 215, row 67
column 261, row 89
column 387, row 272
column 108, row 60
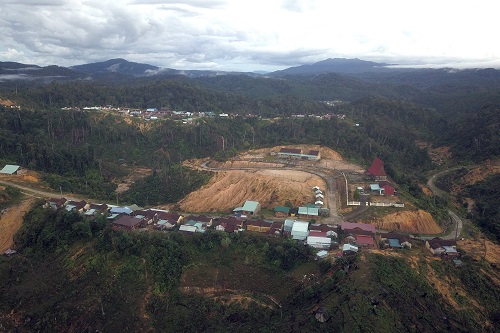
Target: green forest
column 78, row 274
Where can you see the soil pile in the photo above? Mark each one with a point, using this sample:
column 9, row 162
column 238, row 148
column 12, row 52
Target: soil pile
column 418, row 221
column 230, row 189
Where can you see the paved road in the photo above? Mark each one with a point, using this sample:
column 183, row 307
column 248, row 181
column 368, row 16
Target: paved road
column 457, row 221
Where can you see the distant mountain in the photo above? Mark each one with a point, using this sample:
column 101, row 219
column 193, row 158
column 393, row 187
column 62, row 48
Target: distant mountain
column 120, row 66
column 18, row 71
column 336, row 65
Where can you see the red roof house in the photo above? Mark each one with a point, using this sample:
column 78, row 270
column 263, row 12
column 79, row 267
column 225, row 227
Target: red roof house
column 365, row 241
column 376, row 170
column 388, row 189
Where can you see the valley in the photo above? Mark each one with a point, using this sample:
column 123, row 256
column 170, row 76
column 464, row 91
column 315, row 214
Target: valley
column 292, row 201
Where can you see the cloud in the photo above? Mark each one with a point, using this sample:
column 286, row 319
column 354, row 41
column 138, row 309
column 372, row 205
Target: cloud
column 224, row 34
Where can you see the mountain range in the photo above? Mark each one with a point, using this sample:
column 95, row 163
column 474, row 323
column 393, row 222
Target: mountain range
column 123, row 68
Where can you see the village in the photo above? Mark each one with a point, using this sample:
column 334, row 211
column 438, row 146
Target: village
column 306, row 224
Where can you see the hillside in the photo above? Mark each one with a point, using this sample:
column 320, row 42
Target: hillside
column 230, row 189
column 108, row 280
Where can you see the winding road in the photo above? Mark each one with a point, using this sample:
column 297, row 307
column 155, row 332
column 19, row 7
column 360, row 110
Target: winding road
column 458, row 222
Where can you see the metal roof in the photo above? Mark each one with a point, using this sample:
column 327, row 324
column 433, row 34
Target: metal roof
column 10, row 169
column 308, row 211
column 250, row 206
column 394, row 243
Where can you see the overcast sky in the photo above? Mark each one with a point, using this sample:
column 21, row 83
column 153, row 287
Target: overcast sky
column 250, row 34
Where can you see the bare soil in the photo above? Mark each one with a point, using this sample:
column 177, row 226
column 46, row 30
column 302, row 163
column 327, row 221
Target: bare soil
column 476, row 175
column 481, row 249
column 11, row 221
column 135, row 175
column 230, row 189
column 416, row 221
column 438, row 155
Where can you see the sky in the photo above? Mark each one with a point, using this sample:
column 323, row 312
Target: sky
column 250, row 35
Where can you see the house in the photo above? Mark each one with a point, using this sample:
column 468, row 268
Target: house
column 281, row 211
column 126, row 222
column 376, row 171
column 11, row 169
column 258, row 226
column 364, row 241
column 348, row 249
column 319, row 242
column 306, row 212
column 249, row 208
column 99, row 208
column 388, row 190
column 79, row 206
column 290, row 152
column 202, row 218
column 300, row 230
column 327, row 229
column 230, row 224
column 396, row 241
column 376, row 188
column 313, row 155
column 276, row 229
column 320, row 196
column 287, row 227
column 439, row 246
column 318, row 203
column 120, row 210
column 322, row 254
column 357, row 228
column 55, row 203
column 188, row 228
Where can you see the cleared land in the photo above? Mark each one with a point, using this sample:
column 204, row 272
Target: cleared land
column 417, row 221
column 229, row 189
column 11, row 221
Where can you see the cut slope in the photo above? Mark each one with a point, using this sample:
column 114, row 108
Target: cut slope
column 418, row 221
column 11, row 221
column 230, row 189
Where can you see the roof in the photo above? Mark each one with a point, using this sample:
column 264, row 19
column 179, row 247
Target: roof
column 349, row 247
column 437, row 242
column 377, row 168
column 450, row 249
column 290, row 151
column 127, row 221
column 188, row 228
column 365, row 240
column 388, row 189
column 258, row 223
column 322, row 227
column 300, row 226
column 322, row 254
column 288, row 225
column 394, row 242
column 282, row 209
column 250, row 206
column 10, row 169
column 348, row 226
column 392, row 235
column 313, row 152
column 375, row 187
column 312, row 240
column 201, row 218
column 308, row 211
column 120, row 210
